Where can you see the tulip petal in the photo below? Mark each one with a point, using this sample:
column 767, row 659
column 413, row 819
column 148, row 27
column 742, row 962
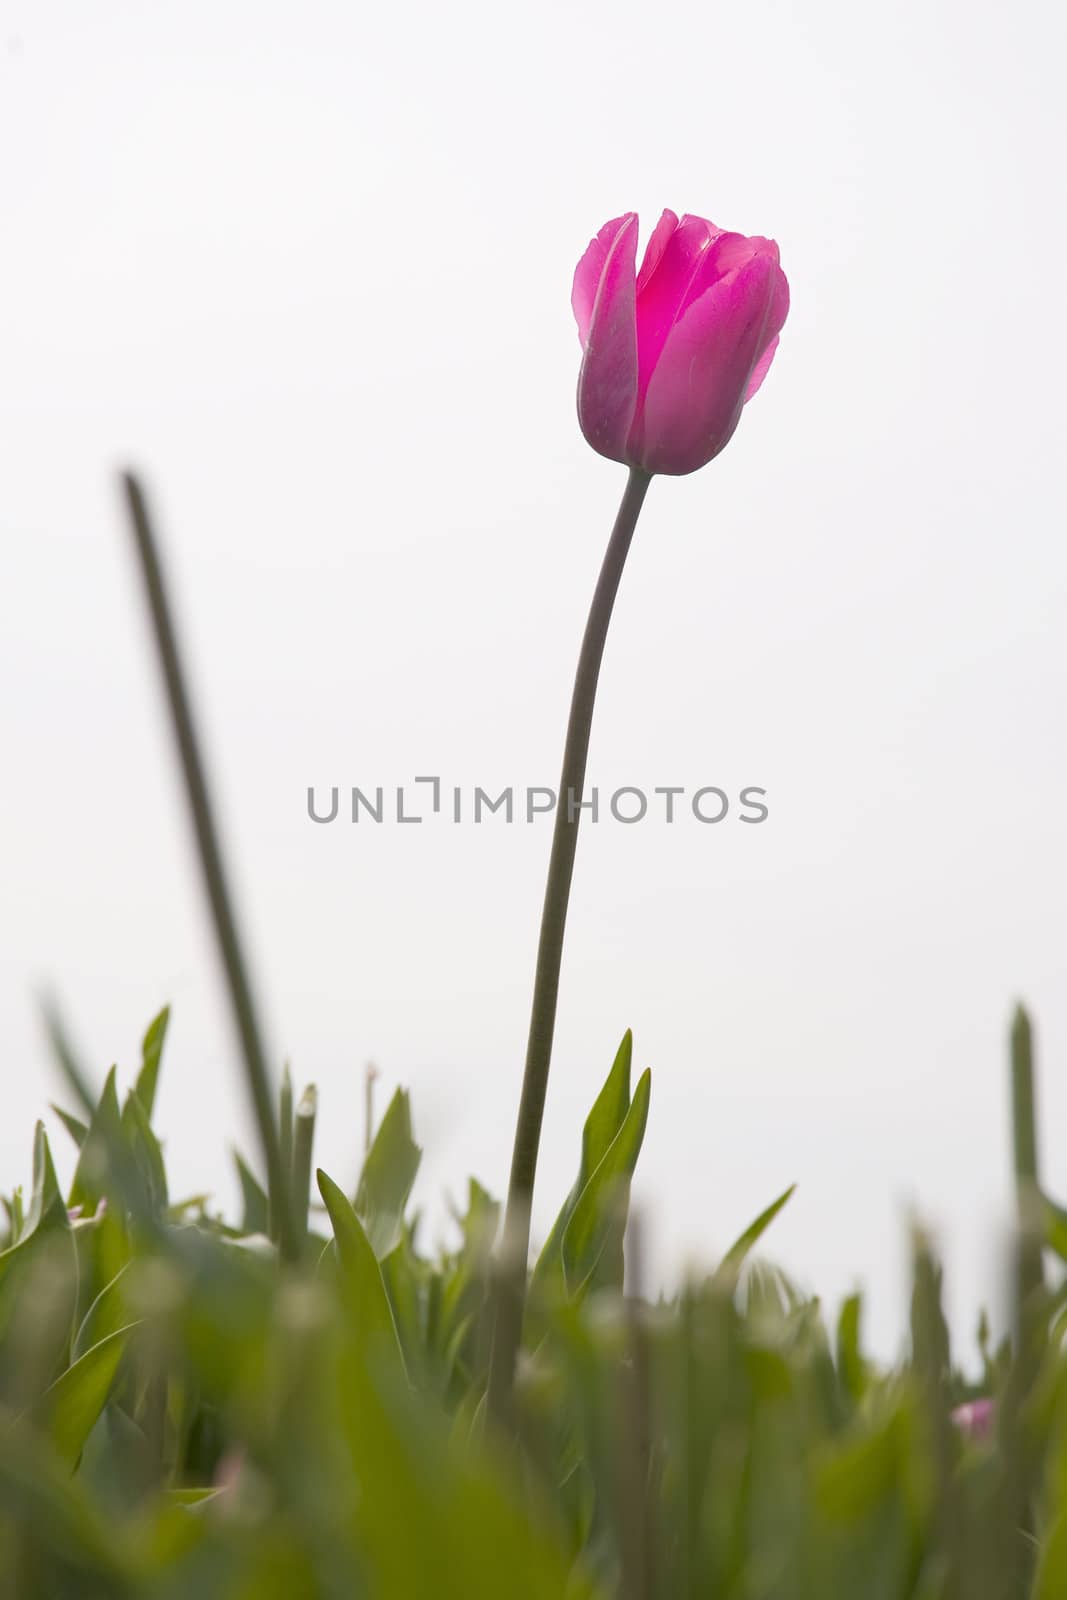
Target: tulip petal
column 775, row 320
column 590, row 270
column 607, row 384
column 655, row 247
column 666, row 287
column 761, row 369
column 695, row 394
column 726, row 252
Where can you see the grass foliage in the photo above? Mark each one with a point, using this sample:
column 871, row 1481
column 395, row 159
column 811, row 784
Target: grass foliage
column 184, row 1415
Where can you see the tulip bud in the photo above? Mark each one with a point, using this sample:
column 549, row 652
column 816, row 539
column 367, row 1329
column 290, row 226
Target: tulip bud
column 976, row 1418
column 671, row 353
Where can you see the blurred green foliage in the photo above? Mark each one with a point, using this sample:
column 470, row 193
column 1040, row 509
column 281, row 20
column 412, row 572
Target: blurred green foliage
column 182, row 1415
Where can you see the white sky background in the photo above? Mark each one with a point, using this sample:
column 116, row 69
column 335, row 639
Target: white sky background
column 309, row 268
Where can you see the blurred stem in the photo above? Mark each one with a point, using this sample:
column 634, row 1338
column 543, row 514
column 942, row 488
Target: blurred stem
column 368, row 1107
column 635, row 1528
column 285, row 1141
column 285, row 1110
column 211, row 860
column 511, row 1286
column 303, row 1140
column 932, row 1363
column 1024, row 1133
column 1020, row 1458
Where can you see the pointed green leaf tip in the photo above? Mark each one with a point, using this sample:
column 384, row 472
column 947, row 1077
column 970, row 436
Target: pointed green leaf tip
column 601, row 1126
column 74, row 1126
column 147, row 1167
column 735, row 1257
column 253, row 1196
column 104, row 1137
column 370, row 1317
column 592, row 1240
column 151, row 1052
column 46, row 1211
column 609, row 1111
column 65, row 1057
column 388, row 1174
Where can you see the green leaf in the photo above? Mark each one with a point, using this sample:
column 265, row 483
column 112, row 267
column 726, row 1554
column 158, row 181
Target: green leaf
column 93, row 1172
column 151, row 1051
column 46, row 1203
column 1050, row 1582
column 734, row 1258
column 1055, row 1226
column 851, row 1367
column 601, row 1127
column 370, row 1317
column 47, row 1212
column 108, row 1313
column 403, row 1280
column 254, row 1196
column 71, row 1406
column 608, row 1113
column 38, row 1288
column 442, row 1516
column 147, row 1154
column 388, row 1174
column 76, row 1128
column 479, row 1223
column 594, row 1234
column 39, row 1492
column 63, row 1050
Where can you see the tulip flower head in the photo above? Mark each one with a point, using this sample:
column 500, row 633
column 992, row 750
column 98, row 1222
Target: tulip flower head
column 976, row 1419
column 672, row 352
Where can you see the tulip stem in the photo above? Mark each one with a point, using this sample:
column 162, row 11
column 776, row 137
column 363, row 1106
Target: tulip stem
column 510, row 1287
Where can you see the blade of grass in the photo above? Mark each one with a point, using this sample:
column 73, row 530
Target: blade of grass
column 210, row 852
column 66, row 1057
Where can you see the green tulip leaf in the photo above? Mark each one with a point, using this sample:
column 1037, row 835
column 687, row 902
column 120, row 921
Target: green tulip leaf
column 69, row 1409
column 388, row 1173
column 151, row 1051
column 371, row 1327
column 93, row 1171
column 592, row 1240
column 735, row 1257
column 77, row 1129
column 601, row 1127
column 256, row 1215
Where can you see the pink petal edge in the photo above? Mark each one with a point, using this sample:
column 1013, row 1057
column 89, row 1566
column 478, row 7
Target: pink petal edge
column 590, row 270
column 607, row 383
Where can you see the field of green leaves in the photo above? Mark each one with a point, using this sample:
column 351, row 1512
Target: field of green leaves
column 312, row 1404
column 185, row 1412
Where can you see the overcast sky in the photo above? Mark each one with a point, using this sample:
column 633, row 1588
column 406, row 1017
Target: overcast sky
column 308, row 267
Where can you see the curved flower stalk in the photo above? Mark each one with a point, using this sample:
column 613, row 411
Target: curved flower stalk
column 670, row 356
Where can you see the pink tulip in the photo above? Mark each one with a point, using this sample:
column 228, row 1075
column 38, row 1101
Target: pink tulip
column 671, row 353
column 976, row 1418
